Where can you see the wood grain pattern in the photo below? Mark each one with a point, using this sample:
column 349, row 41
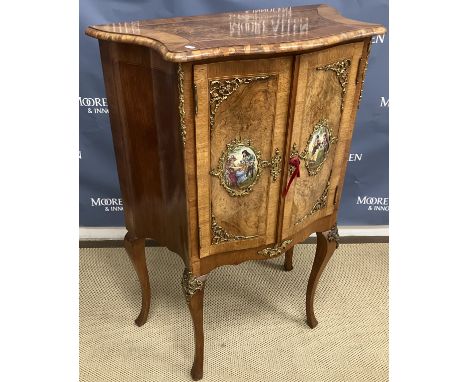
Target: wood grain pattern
column 191, row 169
column 143, row 104
column 257, row 112
column 291, row 29
column 207, row 264
column 319, row 96
column 344, row 147
column 249, row 115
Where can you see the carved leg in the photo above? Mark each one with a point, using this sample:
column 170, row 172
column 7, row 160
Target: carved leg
column 135, row 248
column 327, row 242
column 288, row 259
column 193, row 287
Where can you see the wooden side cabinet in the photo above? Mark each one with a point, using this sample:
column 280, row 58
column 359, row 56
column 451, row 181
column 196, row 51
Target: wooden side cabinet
column 231, row 134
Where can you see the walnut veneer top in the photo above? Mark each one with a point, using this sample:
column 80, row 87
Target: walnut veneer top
column 262, row 31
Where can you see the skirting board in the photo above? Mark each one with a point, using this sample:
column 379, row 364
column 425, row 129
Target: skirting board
column 113, row 236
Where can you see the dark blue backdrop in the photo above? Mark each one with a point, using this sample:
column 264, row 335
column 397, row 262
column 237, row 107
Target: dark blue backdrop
column 365, row 196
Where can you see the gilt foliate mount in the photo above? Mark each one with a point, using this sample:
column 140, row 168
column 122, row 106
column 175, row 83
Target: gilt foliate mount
column 240, row 166
column 333, row 235
column 277, row 250
column 341, row 69
column 319, row 204
column 221, row 89
column 220, row 235
column 191, row 284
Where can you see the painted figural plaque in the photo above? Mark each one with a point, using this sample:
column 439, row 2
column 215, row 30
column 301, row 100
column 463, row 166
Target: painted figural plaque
column 238, row 168
column 318, row 147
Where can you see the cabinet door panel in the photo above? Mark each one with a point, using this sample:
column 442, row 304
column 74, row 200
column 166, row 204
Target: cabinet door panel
column 240, row 132
column 322, row 128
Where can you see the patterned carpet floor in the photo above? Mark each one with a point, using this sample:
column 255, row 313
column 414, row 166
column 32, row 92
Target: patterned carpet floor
column 255, row 326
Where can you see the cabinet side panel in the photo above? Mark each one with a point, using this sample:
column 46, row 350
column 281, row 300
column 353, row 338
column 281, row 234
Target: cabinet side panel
column 118, row 133
column 341, row 160
column 144, row 99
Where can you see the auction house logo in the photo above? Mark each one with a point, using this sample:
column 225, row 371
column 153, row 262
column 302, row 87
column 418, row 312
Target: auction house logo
column 355, row 157
column 109, row 204
column 373, row 203
column 379, row 39
column 95, row 105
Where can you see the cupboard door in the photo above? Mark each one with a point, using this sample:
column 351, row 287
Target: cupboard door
column 240, row 137
column 322, row 128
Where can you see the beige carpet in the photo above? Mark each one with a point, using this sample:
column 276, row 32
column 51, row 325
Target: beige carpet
column 255, row 328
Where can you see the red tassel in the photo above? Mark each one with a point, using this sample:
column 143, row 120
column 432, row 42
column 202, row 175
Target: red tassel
column 295, row 162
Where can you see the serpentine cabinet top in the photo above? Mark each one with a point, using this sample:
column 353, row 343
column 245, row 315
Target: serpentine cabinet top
column 260, row 31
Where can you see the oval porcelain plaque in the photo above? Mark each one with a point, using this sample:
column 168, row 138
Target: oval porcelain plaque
column 240, row 167
column 318, row 146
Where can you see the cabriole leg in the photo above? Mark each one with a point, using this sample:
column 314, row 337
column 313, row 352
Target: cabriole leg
column 135, row 248
column 288, row 259
column 193, row 287
column 327, row 242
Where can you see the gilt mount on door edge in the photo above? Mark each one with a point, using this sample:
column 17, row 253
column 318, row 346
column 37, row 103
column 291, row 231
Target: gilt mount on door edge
column 364, row 74
column 180, row 84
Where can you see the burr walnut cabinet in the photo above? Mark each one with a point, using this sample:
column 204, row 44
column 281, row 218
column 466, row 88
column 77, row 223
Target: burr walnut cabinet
column 231, row 134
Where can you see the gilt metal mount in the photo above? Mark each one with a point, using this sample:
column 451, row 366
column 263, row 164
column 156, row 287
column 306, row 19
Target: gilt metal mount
column 180, row 75
column 277, row 250
column 191, row 284
column 220, row 235
column 364, row 74
column 341, row 69
column 319, row 204
column 317, row 148
column 240, row 166
column 333, row 235
column 220, row 90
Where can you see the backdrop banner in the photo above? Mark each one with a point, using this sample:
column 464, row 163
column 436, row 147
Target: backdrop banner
column 365, row 197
